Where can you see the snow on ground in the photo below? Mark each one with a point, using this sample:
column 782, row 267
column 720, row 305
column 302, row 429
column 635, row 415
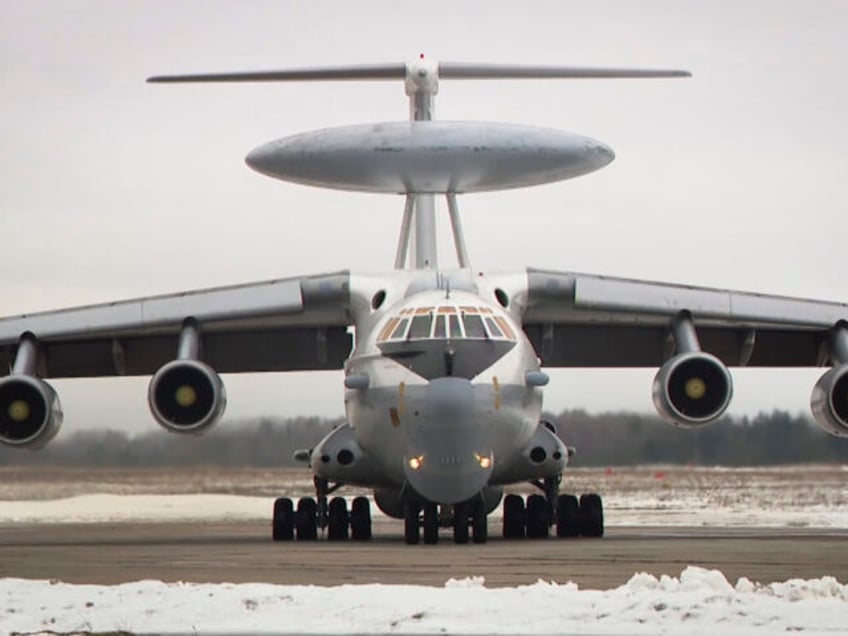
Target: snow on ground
column 698, row 602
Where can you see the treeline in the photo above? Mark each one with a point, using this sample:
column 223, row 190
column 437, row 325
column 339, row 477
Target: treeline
column 609, row 439
column 621, row 439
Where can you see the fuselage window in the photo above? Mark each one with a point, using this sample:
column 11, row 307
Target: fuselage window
column 493, row 328
column 400, row 330
column 420, row 327
column 440, row 329
column 473, row 326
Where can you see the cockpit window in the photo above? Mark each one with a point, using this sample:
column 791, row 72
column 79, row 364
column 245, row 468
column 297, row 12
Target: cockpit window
column 400, row 330
column 440, row 330
column 493, row 328
column 446, row 322
column 455, row 329
column 473, row 326
column 420, row 327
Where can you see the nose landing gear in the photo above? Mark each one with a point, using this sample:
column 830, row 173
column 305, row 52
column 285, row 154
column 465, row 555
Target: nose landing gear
column 468, row 519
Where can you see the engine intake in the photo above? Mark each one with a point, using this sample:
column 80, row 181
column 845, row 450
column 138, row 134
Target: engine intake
column 692, row 389
column 186, row 396
column 829, row 401
column 30, row 412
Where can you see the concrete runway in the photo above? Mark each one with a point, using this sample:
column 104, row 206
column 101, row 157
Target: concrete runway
column 106, row 553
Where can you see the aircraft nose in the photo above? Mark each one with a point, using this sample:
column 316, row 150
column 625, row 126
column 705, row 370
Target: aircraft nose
column 448, row 460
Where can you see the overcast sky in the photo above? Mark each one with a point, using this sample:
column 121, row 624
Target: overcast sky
column 112, row 188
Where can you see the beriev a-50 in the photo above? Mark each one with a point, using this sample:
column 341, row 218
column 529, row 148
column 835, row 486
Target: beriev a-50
column 443, row 368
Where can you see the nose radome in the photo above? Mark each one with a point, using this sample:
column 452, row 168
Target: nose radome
column 448, row 460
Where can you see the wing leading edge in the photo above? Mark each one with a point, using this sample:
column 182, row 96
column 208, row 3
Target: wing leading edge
column 276, row 325
column 581, row 320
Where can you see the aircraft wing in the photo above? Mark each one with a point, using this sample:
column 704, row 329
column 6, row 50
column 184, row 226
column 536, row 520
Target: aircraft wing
column 276, row 325
column 581, row 320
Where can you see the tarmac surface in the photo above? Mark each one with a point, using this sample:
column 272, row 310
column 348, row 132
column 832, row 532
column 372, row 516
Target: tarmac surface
column 110, row 553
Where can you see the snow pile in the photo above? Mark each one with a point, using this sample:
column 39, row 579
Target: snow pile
column 698, row 602
column 111, row 508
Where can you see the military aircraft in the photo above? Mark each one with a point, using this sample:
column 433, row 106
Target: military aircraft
column 443, row 367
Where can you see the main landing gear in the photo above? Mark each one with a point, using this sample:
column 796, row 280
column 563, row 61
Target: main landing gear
column 302, row 523
column 467, row 519
column 535, row 517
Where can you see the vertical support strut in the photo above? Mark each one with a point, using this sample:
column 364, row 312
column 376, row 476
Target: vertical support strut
column 421, row 85
column 425, row 232
column 456, row 227
column 405, row 228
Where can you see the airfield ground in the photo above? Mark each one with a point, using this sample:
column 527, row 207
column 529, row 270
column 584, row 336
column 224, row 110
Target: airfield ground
column 210, row 525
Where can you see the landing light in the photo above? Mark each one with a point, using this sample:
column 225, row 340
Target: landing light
column 415, row 462
column 484, row 460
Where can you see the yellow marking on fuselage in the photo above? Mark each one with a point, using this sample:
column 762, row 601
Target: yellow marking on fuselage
column 400, row 405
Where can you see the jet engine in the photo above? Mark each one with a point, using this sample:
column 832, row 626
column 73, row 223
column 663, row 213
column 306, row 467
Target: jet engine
column 186, row 396
column 692, row 389
column 30, row 413
column 829, row 401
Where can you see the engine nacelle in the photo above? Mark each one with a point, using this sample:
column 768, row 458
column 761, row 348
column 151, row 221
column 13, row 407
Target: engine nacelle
column 829, row 401
column 30, row 412
column 692, row 389
column 545, row 455
column 186, row 396
column 339, row 457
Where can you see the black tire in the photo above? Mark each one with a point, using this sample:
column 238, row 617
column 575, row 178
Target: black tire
column 479, row 522
column 337, row 520
column 537, row 517
column 430, row 523
column 568, row 521
column 283, row 520
column 306, row 524
column 360, row 519
column 411, row 529
column 460, row 523
column 513, row 517
column 591, row 515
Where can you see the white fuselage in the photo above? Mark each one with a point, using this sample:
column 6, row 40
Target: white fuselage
column 436, row 395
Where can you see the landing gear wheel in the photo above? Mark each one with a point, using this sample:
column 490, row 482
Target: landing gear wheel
column 591, row 516
column 431, row 523
column 283, row 521
column 411, row 533
column 537, row 517
column 337, row 520
column 513, row 517
column 360, row 519
column 479, row 522
column 568, row 516
column 460, row 523
column 306, row 523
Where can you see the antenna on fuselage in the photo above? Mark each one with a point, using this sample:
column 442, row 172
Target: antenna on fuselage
column 417, row 242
